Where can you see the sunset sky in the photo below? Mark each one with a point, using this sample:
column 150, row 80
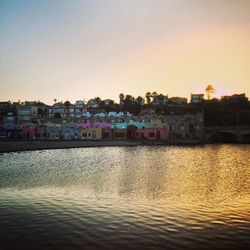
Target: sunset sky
column 80, row 49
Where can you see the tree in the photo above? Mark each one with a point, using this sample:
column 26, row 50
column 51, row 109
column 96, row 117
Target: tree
column 128, row 102
column 55, row 100
column 140, row 100
column 161, row 98
column 67, row 104
column 57, row 116
column 40, row 112
column 210, row 90
column 154, row 94
column 97, row 99
column 148, row 97
column 121, row 97
column 111, row 102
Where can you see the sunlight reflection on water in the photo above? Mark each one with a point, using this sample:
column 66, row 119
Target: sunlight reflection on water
column 136, row 197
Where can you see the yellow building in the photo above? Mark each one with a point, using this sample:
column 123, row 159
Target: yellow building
column 91, row 133
column 157, row 123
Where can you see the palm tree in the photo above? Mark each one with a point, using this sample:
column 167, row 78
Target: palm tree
column 210, row 90
column 148, row 97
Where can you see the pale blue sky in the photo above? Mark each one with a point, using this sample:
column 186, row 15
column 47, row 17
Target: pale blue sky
column 81, row 49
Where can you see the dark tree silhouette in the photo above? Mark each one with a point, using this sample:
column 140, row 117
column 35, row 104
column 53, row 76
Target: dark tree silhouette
column 121, row 97
column 148, row 97
column 57, row 116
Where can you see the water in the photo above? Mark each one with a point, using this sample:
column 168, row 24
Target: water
column 126, row 198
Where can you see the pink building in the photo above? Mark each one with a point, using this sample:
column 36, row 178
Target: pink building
column 30, row 133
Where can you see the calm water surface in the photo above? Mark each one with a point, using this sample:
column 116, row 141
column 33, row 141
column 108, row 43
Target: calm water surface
column 126, row 198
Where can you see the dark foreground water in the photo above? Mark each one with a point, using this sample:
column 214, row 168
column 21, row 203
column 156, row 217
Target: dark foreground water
column 126, row 198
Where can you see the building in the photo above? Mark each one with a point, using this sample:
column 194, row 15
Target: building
column 4, row 104
column 5, row 133
column 94, row 125
column 177, row 100
column 91, row 133
column 67, row 111
column 108, row 102
column 197, row 98
column 147, row 112
column 156, row 123
column 92, row 103
column 58, row 110
column 235, row 99
column 160, row 100
column 9, row 120
column 156, row 134
column 185, row 127
column 79, row 108
column 28, row 132
column 53, row 131
column 114, row 134
column 26, row 114
column 125, row 124
column 69, row 133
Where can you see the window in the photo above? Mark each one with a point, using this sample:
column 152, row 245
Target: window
column 24, row 112
column 119, row 135
column 106, row 135
column 191, row 128
column 151, row 134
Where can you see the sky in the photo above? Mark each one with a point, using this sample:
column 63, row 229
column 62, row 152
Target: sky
column 81, row 49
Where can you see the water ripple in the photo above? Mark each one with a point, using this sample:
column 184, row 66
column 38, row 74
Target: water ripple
column 132, row 198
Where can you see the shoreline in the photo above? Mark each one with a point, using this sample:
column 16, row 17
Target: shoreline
column 18, row 146
column 8, row 146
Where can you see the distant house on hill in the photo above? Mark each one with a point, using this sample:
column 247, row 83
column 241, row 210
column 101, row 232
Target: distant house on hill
column 160, row 100
column 233, row 99
column 147, row 111
column 177, row 100
column 67, row 110
column 108, row 102
column 4, row 104
column 197, row 98
column 92, row 103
